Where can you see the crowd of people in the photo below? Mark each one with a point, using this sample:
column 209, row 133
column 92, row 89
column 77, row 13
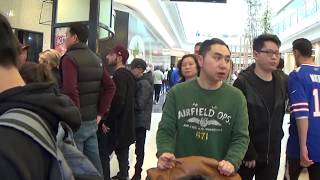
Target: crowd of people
column 239, row 124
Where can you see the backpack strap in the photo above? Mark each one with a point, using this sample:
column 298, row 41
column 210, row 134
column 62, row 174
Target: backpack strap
column 64, row 135
column 31, row 124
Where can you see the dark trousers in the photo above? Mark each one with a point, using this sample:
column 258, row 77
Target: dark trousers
column 107, row 145
column 293, row 165
column 157, row 89
column 262, row 171
column 140, row 140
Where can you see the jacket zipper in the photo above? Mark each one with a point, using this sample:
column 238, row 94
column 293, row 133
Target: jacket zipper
column 269, row 120
column 269, row 124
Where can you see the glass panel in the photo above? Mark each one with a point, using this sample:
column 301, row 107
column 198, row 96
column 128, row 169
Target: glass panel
column 105, row 12
column 103, row 33
column 72, row 10
column 34, row 40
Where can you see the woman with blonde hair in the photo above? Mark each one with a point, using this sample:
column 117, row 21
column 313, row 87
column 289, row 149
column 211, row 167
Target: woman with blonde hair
column 51, row 57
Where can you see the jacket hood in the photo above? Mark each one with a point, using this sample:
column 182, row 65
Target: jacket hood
column 45, row 100
column 148, row 77
column 249, row 72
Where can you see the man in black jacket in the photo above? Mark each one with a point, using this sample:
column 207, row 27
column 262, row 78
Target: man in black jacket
column 21, row 158
column 117, row 131
column 265, row 92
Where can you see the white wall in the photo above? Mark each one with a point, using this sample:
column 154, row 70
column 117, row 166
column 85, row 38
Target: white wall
column 26, row 14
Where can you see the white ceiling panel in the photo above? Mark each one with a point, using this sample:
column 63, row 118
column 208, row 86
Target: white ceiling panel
column 206, row 20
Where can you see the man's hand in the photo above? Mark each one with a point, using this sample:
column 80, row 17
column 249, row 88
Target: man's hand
column 105, row 128
column 250, row 164
column 98, row 119
column 304, row 158
column 166, row 161
column 225, row 168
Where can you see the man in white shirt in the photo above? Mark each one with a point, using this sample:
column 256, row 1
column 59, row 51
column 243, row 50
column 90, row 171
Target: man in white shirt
column 157, row 81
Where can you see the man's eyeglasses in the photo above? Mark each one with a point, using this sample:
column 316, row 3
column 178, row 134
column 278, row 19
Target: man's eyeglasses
column 271, row 52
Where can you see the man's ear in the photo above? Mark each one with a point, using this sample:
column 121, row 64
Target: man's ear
column 200, row 60
column 296, row 52
column 255, row 54
column 75, row 38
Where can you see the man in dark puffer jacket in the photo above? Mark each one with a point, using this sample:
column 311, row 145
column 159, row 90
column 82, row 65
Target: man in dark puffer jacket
column 142, row 111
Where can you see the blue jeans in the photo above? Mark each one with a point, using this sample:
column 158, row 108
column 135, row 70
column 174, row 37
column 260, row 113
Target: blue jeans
column 86, row 140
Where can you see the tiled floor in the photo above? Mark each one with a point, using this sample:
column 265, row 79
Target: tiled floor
column 150, row 148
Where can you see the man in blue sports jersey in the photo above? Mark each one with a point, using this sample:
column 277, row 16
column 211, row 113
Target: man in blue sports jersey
column 303, row 149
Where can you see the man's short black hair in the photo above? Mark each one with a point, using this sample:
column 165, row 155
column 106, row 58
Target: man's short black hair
column 8, row 44
column 138, row 63
column 304, row 46
column 206, row 45
column 258, row 42
column 80, row 30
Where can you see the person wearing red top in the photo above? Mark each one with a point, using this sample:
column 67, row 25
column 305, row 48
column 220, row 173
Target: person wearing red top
column 89, row 86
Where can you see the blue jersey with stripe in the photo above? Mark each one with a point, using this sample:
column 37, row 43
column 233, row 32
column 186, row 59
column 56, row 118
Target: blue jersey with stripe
column 304, row 95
